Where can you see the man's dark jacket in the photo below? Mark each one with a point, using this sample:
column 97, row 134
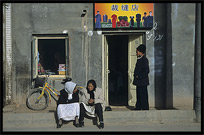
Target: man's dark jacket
column 63, row 98
column 141, row 70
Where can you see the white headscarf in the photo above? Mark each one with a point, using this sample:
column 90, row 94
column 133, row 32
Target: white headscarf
column 69, row 88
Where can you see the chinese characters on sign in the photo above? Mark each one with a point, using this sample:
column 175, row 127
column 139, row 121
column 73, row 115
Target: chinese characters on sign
column 114, row 8
column 135, row 7
column 125, row 7
column 124, row 15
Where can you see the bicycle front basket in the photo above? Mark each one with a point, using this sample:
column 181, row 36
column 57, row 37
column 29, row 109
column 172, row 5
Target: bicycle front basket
column 39, row 81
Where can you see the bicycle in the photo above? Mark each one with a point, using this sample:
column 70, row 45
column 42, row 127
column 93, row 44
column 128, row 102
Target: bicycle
column 38, row 98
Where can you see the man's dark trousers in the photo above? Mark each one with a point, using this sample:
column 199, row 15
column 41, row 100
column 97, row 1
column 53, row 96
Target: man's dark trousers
column 142, row 98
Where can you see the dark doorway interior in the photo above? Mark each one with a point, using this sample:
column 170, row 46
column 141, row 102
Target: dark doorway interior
column 118, row 67
column 51, row 54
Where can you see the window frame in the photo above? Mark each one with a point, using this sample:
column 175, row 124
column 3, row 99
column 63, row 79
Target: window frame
column 34, row 63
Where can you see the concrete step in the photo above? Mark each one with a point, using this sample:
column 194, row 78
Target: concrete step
column 48, row 119
column 151, row 116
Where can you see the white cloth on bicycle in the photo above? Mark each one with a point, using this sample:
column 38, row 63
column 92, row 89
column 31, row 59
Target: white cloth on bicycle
column 68, row 111
column 69, row 88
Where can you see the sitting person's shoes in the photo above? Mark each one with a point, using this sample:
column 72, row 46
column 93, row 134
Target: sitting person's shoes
column 59, row 124
column 101, row 126
column 76, row 122
column 81, row 124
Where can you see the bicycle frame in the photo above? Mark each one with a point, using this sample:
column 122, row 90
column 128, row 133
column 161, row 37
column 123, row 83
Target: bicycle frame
column 48, row 88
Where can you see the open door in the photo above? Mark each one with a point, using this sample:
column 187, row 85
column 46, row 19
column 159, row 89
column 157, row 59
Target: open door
column 67, row 60
column 134, row 42
column 106, row 71
column 34, row 59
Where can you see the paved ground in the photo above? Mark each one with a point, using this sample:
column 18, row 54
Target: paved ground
column 116, row 127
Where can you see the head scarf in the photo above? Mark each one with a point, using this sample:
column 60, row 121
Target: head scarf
column 69, row 88
column 92, row 96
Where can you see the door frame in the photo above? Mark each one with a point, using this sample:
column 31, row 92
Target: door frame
column 134, row 41
column 105, row 70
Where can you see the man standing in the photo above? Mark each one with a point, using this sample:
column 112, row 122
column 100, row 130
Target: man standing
column 141, row 79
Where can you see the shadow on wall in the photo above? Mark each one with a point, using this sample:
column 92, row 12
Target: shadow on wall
column 163, row 59
column 163, row 78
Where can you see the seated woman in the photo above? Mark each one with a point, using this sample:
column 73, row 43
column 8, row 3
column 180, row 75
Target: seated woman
column 92, row 103
column 68, row 104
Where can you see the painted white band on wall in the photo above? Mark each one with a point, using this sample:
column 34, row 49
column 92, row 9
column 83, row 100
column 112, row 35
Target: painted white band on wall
column 8, row 51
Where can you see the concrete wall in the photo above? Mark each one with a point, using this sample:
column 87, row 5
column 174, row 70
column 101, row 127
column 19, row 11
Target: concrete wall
column 150, row 55
column 174, row 55
column 50, row 18
column 183, row 43
column 160, row 55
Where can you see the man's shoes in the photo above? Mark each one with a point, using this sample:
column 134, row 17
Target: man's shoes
column 101, row 126
column 136, row 109
column 81, row 124
column 59, row 124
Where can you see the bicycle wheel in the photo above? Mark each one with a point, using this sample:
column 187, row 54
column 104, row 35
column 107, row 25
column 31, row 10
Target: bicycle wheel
column 33, row 103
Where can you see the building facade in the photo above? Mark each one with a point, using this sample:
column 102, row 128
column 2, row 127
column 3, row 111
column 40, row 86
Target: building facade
column 63, row 33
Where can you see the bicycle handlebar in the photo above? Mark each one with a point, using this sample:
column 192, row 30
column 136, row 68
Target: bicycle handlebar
column 48, row 73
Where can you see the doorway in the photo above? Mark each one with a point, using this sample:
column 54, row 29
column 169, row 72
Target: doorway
column 118, row 70
column 119, row 64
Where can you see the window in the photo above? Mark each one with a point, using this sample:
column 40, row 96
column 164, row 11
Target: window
column 50, row 53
